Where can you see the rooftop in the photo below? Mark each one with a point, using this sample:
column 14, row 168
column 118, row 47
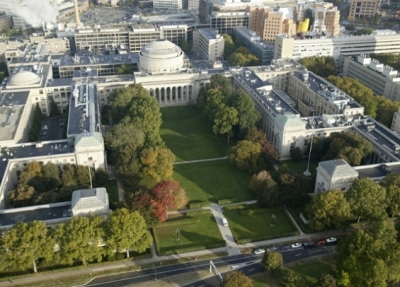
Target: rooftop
column 84, row 60
column 254, row 38
column 210, row 34
column 337, row 168
column 377, row 170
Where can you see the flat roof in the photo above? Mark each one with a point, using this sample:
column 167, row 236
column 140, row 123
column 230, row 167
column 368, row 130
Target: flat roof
column 210, row 34
column 84, row 60
column 42, row 214
column 11, row 107
column 59, row 82
column 29, row 150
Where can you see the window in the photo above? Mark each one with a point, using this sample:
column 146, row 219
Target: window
column 90, row 158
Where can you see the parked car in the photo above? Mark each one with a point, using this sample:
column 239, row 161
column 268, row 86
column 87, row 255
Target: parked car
column 296, row 245
column 259, row 251
column 320, row 242
column 284, row 247
column 331, row 240
column 272, row 248
column 308, row 244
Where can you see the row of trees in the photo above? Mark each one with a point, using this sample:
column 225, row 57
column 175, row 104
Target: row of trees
column 48, row 183
column 392, row 60
column 322, row 66
column 236, row 54
column 348, row 146
column 365, row 199
column 81, row 240
column 230, row 111
column 134, row 143
column 377, row 107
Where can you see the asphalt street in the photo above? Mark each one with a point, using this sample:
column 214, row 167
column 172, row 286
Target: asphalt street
column 236, row 262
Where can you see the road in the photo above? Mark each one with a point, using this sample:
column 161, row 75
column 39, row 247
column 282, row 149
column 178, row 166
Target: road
column 236, row 261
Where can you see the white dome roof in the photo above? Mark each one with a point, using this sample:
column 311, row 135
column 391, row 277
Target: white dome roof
column 24, row 78
column 161, row 49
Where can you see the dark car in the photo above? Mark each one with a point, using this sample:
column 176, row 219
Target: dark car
column 309, row 244
column 320, row 242
column 284, row 247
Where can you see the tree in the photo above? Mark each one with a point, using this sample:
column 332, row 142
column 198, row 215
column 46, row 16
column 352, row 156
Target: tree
column 139, row 200
column 127, row 231
column 54, row 110
column 392, row 185
column 229, row 46
column 350, row 27
column 172, row 187
column 214, row 102
column 245, row 155
column 296, row 154
column 34, row 168
column 248, row 115
column 326, row 280
column 26, row 243
column 157, row 163
column 224, row 121
column 82, row 175
column 51, row 175
column 367, row 199
column 68, row 175
column 291, row 189
column 322, row 66
column 22, row 196
column 243, row 58
column 236, row 279
column 124, row 69
column 268, row 150
column 328, row 209
column 265, row 189
column 185, row 45
column 272, row 261
column 81, row 239
column 100, row 177
column 370, row 256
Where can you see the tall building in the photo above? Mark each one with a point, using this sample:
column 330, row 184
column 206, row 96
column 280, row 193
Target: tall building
column 363, row 9
column 382, row 79
column 209, row 43
column 268, row 23
column 379, row 42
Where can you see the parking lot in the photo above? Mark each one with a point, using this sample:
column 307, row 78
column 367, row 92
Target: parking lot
column 52, row 129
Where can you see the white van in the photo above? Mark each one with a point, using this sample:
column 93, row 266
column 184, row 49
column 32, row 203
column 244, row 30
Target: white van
column 224, row 222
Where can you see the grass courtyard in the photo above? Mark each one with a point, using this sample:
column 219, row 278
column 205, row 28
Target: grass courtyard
column 212, row 181
column 113, row 196
column 189, row 135
column 197, row 233
column 257, row 226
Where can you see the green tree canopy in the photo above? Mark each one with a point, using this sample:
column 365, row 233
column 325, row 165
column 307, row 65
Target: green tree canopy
column 124, row 69
column 127, row 230
column 328, row 209
column 392, row 185
column 322, row 66
column 229, row 46
column 224, row 121
column 272, row 260
column 236, row 279
column 248, row 115
column 26, row 243
column 245, row 155
column 367, row 199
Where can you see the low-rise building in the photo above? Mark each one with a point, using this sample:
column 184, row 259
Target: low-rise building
column 90, row 201
column 382, row 79
column 209, row 43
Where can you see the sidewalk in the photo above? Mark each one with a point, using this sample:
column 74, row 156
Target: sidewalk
column 201, row 160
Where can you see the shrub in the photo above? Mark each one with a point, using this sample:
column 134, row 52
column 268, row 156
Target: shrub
column 227, row 201
column 199, row 205
column 197, row 213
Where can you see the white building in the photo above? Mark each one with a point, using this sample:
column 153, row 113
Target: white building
column 175, row 5
column 379, row 42
column 90, row 201
column 209, row 43
column 382, row 79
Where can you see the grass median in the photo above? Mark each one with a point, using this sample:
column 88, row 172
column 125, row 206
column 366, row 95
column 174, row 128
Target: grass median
column 255, row 224
column 190, row 234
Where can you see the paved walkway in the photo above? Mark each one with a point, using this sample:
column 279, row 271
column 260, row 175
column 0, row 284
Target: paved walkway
column 201, row 160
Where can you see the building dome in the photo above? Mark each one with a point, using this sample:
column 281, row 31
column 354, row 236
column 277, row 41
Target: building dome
column 24, row 78
column 161, row 56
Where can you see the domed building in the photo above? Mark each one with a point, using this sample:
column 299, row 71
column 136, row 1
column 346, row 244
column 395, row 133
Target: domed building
column 24, row 79
column 161, row 56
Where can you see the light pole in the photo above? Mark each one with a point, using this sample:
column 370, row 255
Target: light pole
column 307, row 172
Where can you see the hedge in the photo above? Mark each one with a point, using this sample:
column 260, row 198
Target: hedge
column 198, row 213
column 261, row 238
column 170, row 251
column 199, row 205
column 183, row 221
column 241, row 206
column 253, row 211
column 227, row 201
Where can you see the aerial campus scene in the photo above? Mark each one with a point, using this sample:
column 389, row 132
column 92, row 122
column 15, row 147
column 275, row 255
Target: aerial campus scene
column 200, row 143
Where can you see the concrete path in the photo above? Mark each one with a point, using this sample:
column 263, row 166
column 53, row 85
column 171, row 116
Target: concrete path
column 201, row 160
column 292, row 219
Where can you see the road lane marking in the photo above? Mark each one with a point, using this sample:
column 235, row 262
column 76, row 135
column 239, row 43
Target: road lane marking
column 298, row 254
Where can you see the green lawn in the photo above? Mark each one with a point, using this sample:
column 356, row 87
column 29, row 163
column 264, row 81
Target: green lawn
column 112, row 190
column 314, row 269
column 300, row 167
column 188, row 134
column 295, row 210
column 203, row 234
column 258, row 225
column 212, row 181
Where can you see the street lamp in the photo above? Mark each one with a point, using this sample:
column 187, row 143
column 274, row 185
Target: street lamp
column 307, row 172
